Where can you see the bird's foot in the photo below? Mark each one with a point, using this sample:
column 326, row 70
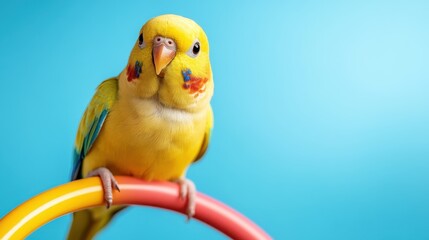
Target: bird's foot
column 107, row 179
column 189, row 191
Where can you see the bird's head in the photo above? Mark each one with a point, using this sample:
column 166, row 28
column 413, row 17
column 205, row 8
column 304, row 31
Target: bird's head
column 170, row 62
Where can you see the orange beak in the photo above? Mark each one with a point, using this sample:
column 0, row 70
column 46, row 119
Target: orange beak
column 162, row 56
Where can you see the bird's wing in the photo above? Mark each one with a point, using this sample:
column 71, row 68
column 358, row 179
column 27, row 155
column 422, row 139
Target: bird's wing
column 92, row 122
column 207, row 135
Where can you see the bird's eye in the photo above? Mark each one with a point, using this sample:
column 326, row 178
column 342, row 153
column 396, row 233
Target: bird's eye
column 141, row 42
column 195, row 49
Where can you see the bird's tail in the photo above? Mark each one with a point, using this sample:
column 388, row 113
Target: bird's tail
column 87, row 223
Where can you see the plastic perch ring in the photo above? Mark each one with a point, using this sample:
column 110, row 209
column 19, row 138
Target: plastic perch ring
column 87, row 193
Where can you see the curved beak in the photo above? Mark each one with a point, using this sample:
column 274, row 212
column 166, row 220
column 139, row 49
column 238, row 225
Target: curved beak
column 162, row 56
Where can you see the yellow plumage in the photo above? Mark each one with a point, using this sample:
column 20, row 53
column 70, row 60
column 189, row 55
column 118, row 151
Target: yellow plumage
column 146, row 140
column 148, row 125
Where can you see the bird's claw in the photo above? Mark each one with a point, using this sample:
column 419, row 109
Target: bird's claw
column 107, row 180
column 188, row 190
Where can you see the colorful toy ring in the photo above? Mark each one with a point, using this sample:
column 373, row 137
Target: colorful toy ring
column 87, row 193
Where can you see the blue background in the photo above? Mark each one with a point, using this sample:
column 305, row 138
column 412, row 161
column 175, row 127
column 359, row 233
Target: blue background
column 321, row 111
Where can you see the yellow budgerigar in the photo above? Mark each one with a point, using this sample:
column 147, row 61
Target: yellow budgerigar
column 150, row 122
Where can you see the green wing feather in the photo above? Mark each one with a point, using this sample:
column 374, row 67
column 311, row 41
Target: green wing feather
column 92, row 122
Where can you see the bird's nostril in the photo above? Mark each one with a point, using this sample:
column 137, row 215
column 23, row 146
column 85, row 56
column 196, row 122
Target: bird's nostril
column 170, row 42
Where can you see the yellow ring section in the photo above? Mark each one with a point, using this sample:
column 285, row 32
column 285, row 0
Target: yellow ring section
column 56, row 202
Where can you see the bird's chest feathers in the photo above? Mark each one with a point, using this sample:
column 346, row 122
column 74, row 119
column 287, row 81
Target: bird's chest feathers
column 151, row 135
